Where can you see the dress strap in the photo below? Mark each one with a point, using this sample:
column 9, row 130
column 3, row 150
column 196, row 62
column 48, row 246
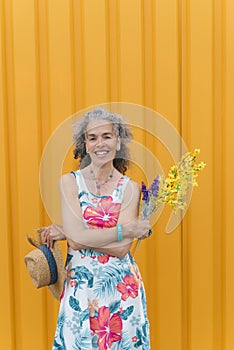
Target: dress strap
column 80, row 181
column 120, row 187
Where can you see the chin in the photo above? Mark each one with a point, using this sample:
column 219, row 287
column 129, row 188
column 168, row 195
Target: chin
column 101, row 162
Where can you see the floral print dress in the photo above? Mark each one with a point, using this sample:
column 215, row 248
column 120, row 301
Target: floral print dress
column 103, row 305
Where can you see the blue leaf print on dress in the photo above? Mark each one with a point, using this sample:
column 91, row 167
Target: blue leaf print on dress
column 114, row 306
column 80, row 274
column 126, row 313
column 79, row 284
column 59, row 343
column 135, row 320
column 95, row 341
column 84, row 315
column 90, row 252
column 58, row 346
column 83, row 341
column 143, row 337
column 74, row 303
column 143, row 299
column 83, row 203
column 107, row 283
column 82, row 193
column 97, row 272
column 126, row 342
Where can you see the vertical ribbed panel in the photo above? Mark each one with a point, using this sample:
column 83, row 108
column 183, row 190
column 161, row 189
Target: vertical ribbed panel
column 58, row 57
column 228, row 163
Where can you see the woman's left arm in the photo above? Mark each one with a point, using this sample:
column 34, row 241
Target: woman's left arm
column 128, row 212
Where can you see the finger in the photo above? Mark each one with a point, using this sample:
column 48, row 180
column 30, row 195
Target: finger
column 47, row 237
column 48, row 241
column 40, row 229
column 147, row 234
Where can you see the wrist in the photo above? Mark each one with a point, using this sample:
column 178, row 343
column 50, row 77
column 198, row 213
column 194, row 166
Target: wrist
column 119, row 232
column 126, row 232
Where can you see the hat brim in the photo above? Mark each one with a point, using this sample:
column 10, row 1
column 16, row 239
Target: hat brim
column 56, row 288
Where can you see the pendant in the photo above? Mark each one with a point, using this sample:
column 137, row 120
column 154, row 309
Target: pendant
column 98, row 187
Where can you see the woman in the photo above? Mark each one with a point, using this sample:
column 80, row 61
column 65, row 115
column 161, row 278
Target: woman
column 103, row 305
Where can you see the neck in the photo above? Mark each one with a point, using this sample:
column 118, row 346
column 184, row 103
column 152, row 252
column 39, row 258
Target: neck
column 102, row 172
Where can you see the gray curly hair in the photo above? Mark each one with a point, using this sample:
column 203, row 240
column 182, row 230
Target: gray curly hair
column 121, row 129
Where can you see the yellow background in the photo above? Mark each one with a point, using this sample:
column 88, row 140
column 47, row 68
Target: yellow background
column 176, row 57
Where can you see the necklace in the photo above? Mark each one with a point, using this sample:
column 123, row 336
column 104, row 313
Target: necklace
column 99, row 184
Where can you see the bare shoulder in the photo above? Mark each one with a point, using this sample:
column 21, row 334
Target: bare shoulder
column 130, row 202
column 67, row 183
column 132, row 190
column 133, row 185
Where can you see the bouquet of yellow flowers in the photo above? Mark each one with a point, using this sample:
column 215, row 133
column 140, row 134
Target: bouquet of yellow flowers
column 172, row 189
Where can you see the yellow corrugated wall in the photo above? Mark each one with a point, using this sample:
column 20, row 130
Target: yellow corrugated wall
column 176, row 57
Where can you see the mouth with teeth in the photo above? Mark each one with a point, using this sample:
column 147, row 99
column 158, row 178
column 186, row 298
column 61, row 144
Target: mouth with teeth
column 101, row 153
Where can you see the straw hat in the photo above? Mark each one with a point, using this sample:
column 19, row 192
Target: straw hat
column 45, row 265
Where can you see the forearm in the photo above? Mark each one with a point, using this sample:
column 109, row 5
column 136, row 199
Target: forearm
column 90, row 245
column 95, row 238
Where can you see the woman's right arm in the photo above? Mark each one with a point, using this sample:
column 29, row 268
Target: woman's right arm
column 73, row 225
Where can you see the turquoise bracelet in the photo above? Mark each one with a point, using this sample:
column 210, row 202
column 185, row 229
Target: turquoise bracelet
column 119, row 232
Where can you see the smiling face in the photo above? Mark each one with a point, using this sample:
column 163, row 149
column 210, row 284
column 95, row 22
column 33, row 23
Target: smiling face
column 101, row 142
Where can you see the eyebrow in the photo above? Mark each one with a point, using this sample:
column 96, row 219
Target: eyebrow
column 104, row 134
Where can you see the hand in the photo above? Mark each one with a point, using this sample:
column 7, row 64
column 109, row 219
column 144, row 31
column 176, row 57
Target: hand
column 148, row 234
column 53, row 233
column 137, row 228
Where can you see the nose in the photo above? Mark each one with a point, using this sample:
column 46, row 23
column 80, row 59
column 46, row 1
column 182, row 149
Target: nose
column 100, row 141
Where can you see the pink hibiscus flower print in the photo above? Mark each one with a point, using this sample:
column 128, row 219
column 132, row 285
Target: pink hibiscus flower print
column 129, row 288
column 107, row 328
column 105, row 215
